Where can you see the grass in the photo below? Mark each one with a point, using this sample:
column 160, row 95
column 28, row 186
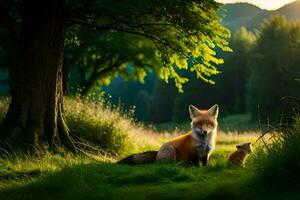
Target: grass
column 281, row 159
column 108, row 128
column 67, row 176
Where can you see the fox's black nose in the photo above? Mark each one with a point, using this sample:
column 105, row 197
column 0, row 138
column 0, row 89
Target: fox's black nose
column 204, row 132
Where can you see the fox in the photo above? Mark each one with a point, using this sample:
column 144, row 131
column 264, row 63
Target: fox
column 238, row 157
column 189, row 148
column 196, row 145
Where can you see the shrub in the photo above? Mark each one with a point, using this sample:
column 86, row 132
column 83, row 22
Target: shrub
column 278, row 164
column 98, row 124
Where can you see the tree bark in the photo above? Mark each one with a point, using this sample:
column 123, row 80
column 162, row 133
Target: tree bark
column 66, row 72
column 35, row 114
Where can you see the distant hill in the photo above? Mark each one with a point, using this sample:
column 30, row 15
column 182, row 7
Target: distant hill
column 239, row 14
column 250, row 16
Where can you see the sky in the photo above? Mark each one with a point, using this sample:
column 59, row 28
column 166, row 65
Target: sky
column 265, row 4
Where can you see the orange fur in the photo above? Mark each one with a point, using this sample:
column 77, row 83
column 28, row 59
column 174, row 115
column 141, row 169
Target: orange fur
column 197, row 144
column 239, row 156
column 184, row 146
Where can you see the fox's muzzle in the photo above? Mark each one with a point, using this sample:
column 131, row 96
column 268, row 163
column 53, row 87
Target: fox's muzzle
column 199, row 132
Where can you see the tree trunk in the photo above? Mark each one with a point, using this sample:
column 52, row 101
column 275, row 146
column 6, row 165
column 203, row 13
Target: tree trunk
column 35, row 116
column 65, row 80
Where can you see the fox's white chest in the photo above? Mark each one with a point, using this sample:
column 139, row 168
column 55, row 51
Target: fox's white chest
column 204, row 145
column 203, row 149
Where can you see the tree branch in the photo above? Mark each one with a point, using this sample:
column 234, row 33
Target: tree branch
column 112, row 27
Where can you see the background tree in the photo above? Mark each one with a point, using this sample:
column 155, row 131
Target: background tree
column 180, row 30
column 229, row 91
column 236, row 71
column 162, row 102
column 275, row 70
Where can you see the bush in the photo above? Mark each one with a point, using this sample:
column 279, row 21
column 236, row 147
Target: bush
column 103, row 126
column 278, row 164
column 98, row 125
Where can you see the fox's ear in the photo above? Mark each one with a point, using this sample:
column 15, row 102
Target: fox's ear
column 193, row 111
column 214, row 110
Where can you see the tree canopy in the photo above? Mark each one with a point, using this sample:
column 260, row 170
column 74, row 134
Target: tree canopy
column 99, row 59
column 183, row 36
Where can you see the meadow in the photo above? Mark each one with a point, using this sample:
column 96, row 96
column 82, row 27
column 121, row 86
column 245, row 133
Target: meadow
column 64, row 65
column 112, row 135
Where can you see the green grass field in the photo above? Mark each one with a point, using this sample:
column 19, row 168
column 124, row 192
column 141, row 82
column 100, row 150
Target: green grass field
column 96, row 176
column 65, row 176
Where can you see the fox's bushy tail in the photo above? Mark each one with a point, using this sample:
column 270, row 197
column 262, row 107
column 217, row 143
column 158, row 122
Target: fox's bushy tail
column 140, row 158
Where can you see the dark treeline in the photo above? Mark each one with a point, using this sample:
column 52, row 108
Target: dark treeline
column 260, row 77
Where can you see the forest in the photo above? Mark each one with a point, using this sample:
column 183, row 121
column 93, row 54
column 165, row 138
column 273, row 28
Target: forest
column 149, row 100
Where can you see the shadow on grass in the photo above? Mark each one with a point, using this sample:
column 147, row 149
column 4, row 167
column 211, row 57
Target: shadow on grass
column 89, row 181
column 111, row 181
column 154, row 181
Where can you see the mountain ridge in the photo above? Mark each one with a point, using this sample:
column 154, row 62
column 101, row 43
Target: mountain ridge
column 251, row 16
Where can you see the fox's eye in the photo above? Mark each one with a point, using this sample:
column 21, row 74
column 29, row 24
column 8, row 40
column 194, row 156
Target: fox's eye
column 197, row 125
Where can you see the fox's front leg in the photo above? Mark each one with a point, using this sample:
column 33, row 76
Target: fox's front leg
column 204, row 160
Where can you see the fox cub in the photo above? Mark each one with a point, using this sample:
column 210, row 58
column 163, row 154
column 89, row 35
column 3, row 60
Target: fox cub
column 239, row 157
column 197, row 144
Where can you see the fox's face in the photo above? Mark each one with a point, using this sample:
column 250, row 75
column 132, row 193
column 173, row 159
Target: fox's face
column 204, row 122
column 245, row 147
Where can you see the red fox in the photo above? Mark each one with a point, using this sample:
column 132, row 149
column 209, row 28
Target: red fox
column 190, row 148
column 197, row 144
column 240, row 155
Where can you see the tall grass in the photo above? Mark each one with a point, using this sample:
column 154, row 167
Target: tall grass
column 109, row 128
column 278, row 162
column 105, row 127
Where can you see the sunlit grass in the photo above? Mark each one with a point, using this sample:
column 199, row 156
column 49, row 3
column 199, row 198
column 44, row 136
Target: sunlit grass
column 96, row 176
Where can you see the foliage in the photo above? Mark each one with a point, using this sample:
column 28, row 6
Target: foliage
column 236, row 71
column 181, row 31
column 184, row 35
column 86, row 121
column 132, row 94
column 101, row 57
column 233, row 79
column 254, row 74
column 272, row 84
column 278, row 163
column 163, row 97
